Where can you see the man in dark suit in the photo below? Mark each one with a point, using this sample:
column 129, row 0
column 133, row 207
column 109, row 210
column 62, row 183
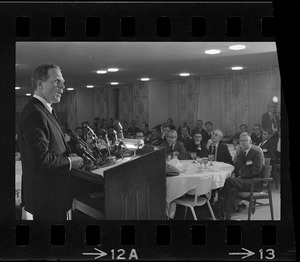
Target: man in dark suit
column 184, row 136
column 248, row 165
column 269, row 144
column 216, row 147
column 174, row 147
column 46, row 163
column 196, row 145
column 204, row 133
column 256, row 136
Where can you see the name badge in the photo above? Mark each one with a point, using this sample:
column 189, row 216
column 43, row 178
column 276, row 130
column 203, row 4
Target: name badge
column 249, row 162
column 265, row 150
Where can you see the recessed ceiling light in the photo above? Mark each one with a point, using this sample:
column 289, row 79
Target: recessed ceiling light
column 17, row 87
column 212, row 51
column 237, row 68
column 28, row 94
column 114, row 83
column 101, row 72
column 237, row 47
column 90, row 86
column 70, row 88
column 184, row 74
column 112, row 69
column 144, row 79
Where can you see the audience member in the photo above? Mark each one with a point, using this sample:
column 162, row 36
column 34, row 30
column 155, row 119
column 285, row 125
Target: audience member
column 209, row 128
column 256, row 136
column 165, row 128
column 184, row 136
column 203, row 132
column 145, row 129
column 183, row 124
column 243, row 128
column 271, row 119
column 125, row 129
column 132, row 129
column 104, row 124
column 269, row 144
column 196, row 145
column 170, row 123
column 249, row 165
column 216, row 147
column 174, row 147
column 155, row 137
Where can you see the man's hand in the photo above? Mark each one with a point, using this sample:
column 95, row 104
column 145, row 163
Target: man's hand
column 77, row 161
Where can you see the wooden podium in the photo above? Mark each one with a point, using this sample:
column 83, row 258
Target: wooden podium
column 133, row 190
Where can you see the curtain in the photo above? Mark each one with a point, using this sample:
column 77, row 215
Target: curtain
column 101, row 102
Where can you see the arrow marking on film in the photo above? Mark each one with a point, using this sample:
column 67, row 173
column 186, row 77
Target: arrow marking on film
column 100, row 254
column 247, row 254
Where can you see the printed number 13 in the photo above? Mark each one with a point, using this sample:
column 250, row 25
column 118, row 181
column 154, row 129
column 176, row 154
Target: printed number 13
column 270, row 253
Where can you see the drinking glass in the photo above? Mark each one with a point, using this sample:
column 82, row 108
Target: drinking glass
column 211, row 158
column 205, row 161
column 193, row 156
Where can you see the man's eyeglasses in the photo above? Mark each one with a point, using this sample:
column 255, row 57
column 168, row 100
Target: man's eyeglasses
column 256, row 128
column 244, row 140
column 172, row 136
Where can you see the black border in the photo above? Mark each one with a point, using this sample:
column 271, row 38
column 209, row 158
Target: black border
column 145, row 14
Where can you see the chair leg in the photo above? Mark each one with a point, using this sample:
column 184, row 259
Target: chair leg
column 211, row 211
column 193, row 212
column 185, row 212
column 271, row 201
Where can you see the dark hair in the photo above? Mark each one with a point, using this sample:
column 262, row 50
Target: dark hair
column 257, row 125
column 146, row 124
column 41, row 73
column 269, row 131
column 200, row 121
column 209, row 123
column 244, row 125
column 79, row 127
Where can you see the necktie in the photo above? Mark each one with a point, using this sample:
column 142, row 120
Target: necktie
column 274, row 122
column 244, row 156
column 213, row 150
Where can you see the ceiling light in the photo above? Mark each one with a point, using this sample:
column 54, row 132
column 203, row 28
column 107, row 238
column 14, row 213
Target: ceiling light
column 212, row 51
column 237, row 47
column 275, row 99
column 28, row 94
column 237, row 68
column 184, row 74
column 70, row 88
column 101, row 72
column 114, row 83
column 112, row 69
column 90, row 86
column 145, row 79
column 17, row 87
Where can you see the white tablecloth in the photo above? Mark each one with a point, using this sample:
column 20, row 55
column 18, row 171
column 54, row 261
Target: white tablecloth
column 176, row 186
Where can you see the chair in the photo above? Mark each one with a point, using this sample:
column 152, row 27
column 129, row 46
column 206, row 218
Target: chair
column 266, row 193
column 267, row 161
column 198, row 196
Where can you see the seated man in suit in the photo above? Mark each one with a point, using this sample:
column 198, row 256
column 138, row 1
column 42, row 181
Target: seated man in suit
column 209, row 128
column 184, row 136
column 198, row 127
column 174, row 147
column 196, row 145
column 155, row 137
column 269, row 144
column 243, row 128
column 216, row 147
column 249, row 165
column 256, row 136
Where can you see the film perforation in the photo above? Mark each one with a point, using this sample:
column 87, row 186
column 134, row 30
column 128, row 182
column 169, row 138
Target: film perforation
column 234, row 26
column 268, row 235
column 128, row 27
column 22, row 24
column 92, row 235
column 233, row 235
column 92, row 28
column 58, row 26
column 22, row 235
column 163, row 235
column 128, row 235
column 57, row 235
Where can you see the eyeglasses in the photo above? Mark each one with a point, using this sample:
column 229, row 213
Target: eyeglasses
column 256, row 128
column 172, row 136
column 244, row 140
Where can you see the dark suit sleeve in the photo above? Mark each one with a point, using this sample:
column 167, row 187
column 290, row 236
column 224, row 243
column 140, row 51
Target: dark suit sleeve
column 182, row 151
column 36, row 132
column 254, row 170
column 227, row 155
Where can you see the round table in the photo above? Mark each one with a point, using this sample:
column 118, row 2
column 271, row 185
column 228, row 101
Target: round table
column 176, row 186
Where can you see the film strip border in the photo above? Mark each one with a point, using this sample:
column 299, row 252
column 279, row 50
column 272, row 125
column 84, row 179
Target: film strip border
column 138, row 239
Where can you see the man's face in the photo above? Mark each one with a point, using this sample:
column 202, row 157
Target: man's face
column 256, row 130
column 199, row 124
column 52, row 88
column 208, row 127
column 139, row 135
column 133, row 123
column 79, row 132
column 171, row 138
column 166, row 129
column 216, row 137
column 265, row 135
column 184, row 130
column 245, row 142
column 154, row 131
column 272, row 108
column 243, row 129
column 197, row 138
